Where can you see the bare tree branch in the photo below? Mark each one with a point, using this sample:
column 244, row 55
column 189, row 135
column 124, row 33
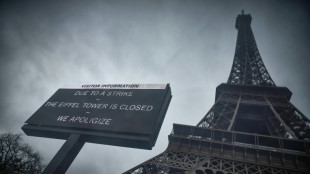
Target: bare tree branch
column 18, row 157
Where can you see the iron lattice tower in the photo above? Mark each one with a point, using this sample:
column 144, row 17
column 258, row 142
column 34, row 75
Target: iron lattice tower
column 252, row 128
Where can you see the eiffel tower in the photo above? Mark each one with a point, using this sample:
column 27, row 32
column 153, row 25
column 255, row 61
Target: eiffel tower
column 252, row 128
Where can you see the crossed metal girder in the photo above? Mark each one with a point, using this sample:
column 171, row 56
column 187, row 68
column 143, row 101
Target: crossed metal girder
column 199, row 150
column 252, row 128
column 269, row 105
column 248, row 67
column 212, row 146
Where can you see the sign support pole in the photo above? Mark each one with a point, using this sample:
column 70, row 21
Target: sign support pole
column 65, row 156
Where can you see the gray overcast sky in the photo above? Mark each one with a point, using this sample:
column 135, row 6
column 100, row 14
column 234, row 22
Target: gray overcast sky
column 45, row 45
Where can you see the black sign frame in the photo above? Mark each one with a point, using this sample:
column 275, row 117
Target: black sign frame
column 142, row 140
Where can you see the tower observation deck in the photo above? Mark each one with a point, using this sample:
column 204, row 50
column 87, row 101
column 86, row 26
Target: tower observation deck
column 252, row 128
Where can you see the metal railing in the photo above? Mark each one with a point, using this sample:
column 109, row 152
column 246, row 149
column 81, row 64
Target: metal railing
column 242, row 139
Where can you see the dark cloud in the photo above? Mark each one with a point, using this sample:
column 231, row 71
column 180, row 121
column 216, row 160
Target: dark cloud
column 45, row 45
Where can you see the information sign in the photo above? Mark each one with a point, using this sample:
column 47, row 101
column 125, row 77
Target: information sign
column 127, row 115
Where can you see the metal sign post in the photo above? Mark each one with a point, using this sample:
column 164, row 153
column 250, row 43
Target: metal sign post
column 65, row 156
